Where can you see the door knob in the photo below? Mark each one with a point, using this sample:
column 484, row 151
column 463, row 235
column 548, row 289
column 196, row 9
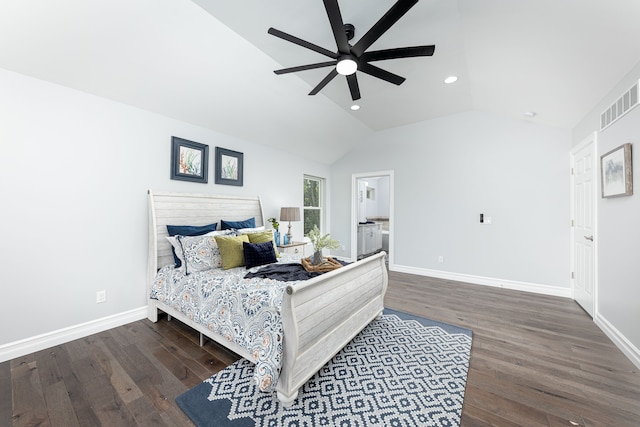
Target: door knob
column 590, row 238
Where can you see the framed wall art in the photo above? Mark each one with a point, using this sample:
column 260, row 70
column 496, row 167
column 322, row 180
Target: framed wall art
column 189, row 160
column 616, row 175
column 229, row 167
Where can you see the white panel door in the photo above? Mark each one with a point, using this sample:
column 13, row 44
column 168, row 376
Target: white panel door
column 584, row 225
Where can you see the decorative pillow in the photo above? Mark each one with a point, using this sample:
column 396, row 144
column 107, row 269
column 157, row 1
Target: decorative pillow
column 200, row 253
column 247, row 223
column 177, row 245
column 187, row 230
column 263, row 236
column 231, row 250
column 256, row 254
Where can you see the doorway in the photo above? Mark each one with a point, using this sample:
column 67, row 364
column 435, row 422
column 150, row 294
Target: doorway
column 584, row 242
column 372, row 209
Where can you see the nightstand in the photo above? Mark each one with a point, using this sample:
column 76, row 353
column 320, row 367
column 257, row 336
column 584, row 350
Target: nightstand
column 293, row 248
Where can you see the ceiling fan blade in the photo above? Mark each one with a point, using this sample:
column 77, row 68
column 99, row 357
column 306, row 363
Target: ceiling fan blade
column 337, row 25
column 305, row 67
column 396, row 12
column 303, row 43
column 401, row 52
column 324, row 82
column 352, row 81
column 374, row 71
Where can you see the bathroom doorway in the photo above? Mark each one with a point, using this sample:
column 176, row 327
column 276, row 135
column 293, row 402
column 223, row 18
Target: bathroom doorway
column 372, row 214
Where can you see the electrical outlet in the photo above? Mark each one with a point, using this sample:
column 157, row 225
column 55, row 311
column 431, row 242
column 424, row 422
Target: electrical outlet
column 441, row 259
column 101, row 296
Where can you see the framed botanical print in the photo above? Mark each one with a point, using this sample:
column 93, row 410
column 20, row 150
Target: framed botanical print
column 189, row 160
column 229, row 167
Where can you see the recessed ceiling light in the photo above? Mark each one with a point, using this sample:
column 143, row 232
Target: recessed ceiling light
column 355, row 107
column 451, row 79
column 530, row 114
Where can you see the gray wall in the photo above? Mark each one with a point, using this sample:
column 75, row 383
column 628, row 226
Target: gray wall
column 74, row 176
column 618, row 298
column 447, row 172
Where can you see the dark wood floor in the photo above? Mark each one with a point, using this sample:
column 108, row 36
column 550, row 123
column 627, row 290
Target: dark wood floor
column 536, row 361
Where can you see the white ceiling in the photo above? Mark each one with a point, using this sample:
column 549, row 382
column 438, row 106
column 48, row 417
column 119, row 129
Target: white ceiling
column 211, row 62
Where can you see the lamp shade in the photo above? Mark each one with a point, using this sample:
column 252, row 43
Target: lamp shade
column 289, row 214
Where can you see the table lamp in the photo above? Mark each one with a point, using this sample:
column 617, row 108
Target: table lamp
column 289, row 214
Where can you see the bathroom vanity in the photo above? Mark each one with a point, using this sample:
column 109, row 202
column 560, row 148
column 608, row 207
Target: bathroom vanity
column 369, row 239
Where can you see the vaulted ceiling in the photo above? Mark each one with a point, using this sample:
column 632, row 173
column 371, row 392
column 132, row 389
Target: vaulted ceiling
column 211, row 62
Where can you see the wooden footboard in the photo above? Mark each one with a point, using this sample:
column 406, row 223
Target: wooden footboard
column 320, row 316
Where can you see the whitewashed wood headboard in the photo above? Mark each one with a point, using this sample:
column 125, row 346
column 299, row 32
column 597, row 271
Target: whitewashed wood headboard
column 191, row 209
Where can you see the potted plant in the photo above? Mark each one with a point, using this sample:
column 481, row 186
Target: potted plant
column 319, row 243
column 276, row 232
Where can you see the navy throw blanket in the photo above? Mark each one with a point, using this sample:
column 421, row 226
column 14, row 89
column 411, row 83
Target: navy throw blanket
column 286, row 272
column 283, row 272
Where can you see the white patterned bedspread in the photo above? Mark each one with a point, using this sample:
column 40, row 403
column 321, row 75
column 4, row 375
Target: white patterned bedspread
column 245, row 311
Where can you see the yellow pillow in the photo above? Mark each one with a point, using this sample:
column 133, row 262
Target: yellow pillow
column 231, row 250
column 262, row 237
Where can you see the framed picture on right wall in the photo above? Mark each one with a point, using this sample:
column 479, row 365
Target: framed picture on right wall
column 616, row 174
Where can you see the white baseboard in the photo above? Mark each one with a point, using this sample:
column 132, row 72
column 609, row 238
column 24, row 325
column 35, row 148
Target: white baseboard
column 487, row 281
column 629, row 350
column 40, row 342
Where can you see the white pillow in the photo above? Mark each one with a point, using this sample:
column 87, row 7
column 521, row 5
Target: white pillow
column 220, row 233
column 250, row 230
column 177, row 248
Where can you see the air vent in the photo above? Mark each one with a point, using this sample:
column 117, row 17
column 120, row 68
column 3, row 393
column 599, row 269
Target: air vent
column 622, row 106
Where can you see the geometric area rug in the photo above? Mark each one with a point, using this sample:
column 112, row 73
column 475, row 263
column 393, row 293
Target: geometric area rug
column 401, row 370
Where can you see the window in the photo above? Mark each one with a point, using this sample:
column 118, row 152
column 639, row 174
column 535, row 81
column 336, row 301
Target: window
column 313, row 203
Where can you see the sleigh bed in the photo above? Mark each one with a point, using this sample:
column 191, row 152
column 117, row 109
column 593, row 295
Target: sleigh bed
column 319, row 316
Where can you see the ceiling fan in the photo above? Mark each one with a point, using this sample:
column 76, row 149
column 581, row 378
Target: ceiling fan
column 349, row 59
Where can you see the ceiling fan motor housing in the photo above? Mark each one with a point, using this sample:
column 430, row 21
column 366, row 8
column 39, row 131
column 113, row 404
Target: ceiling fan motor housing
column 350, row 30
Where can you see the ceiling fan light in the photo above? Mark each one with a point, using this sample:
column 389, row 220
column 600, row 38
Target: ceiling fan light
column 451, row 79
column 355, row 107
column 346, row 66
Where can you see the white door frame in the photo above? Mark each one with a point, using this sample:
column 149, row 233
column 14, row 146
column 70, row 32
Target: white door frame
column 591, row 139
column 354, row 212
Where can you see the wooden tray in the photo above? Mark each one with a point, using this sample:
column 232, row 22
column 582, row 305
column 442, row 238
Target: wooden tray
column 327, row 265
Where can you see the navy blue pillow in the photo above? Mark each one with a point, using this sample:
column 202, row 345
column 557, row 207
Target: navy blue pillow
column 256, row 254
column 247, row 223
column 188, row 230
